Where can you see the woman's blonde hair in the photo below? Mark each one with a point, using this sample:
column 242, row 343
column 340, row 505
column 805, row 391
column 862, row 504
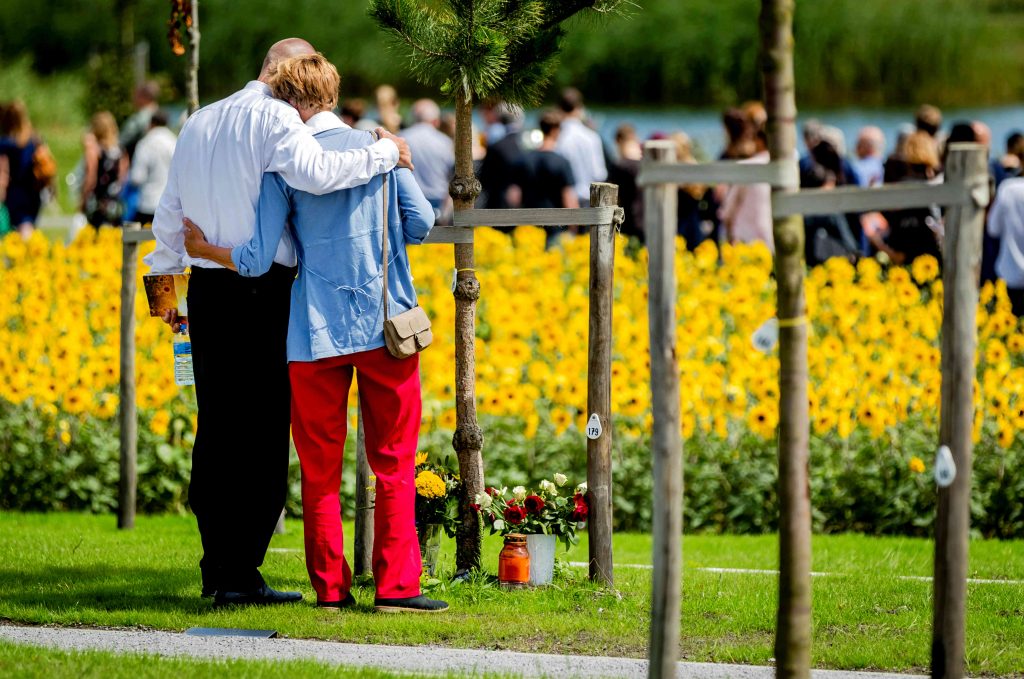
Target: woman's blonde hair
column 104, row 128
column 921, row 149
column 308, row 81
column 684, row 154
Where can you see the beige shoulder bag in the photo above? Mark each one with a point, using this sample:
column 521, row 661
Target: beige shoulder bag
column 409, row 332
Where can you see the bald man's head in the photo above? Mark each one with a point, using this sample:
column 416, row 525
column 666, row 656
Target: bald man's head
column 284, row 49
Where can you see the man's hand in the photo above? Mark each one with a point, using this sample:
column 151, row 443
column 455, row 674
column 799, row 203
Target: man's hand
column 404, row 153
column 170, row 317
column 195, row 239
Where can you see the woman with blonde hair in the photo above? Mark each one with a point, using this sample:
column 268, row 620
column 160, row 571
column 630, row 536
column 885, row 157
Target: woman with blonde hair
column 906, row 235
column 29, row 166
column 388, row 108
column 697, row 208
column 106, row 167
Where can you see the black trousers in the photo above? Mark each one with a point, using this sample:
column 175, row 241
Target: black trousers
column 239, row 329
column 1016, row 296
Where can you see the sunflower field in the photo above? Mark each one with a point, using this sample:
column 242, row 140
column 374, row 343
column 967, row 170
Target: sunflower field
column 874, row 383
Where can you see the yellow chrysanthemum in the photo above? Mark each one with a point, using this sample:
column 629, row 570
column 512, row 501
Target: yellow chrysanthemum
column 429, row 485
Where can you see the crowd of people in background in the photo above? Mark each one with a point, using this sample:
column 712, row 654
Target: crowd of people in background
column 120, row 177
column 123, row 173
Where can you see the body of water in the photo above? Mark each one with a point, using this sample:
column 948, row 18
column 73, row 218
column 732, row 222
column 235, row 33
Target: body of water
column 705, row 129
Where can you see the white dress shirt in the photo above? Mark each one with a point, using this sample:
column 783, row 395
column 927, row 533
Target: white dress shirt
column 150, row 165
column 1006, row 222
column 581, row 146
column 218, row 165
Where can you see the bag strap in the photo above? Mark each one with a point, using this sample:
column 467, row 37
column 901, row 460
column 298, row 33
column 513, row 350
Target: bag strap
column 384, row 239
column 384, row 256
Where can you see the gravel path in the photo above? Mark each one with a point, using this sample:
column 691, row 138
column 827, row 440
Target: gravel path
column 393, row 658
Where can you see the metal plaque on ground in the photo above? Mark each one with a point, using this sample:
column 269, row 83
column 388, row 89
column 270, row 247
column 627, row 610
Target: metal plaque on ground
column 231, row 632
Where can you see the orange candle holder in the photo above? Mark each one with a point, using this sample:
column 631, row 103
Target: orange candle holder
column 514, row 562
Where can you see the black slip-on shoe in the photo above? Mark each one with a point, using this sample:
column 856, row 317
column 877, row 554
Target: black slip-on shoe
column 264, row 596
column 209, row 591
column 416, row 604
column 348, row 602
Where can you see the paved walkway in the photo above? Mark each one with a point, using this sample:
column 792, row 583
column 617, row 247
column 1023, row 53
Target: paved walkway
column 392, row 658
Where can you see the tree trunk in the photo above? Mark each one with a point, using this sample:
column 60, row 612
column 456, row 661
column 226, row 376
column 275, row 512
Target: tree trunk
column 468, row 440
column 126, row 28
column 193, row 60
column 793, row 623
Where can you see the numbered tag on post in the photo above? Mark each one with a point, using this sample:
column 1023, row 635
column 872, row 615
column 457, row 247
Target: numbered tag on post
column 945, row 468
column 767, row 336
column 594, row 427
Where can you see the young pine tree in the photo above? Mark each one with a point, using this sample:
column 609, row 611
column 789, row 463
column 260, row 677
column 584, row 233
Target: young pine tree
column 474, row 50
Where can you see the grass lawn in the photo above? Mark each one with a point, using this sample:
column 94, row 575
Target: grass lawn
column 26, row 662
column 72, row 569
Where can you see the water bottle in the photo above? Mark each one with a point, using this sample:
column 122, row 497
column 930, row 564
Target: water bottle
column 183, row 375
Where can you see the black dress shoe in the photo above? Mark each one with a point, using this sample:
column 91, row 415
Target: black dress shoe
column 416, row 604
column 264, row 596
column 348, row 602
column 208, row 592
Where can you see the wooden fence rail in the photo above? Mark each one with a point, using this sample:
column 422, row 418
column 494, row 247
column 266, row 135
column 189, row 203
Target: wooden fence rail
column 965, row 191
column 604, row 218
column 653, row 173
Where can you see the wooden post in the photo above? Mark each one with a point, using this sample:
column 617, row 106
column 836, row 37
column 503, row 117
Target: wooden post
column 127, row 410
column 468, row 440
column 660, row 205
column 599, row 387
column 193, row 60
column 793, row 619
column 961, row 262
column 364, row 506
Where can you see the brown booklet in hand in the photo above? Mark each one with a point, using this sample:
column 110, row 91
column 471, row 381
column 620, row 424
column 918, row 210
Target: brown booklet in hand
column 166, row 291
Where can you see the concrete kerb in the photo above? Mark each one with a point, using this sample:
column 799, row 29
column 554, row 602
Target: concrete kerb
column 417, row 660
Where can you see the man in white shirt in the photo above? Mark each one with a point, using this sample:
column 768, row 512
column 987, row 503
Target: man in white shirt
column 580, row 145
column 1006, row 223
column 238, row 326
column 150, row 165
column 435, row 152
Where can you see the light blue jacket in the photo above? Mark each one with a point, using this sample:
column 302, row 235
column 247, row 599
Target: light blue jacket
column 337, row 299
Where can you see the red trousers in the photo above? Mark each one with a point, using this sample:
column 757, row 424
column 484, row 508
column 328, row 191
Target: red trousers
column 389, row 399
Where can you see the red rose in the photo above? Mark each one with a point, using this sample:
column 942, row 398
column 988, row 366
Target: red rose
column 514, row 514
column 492, row 491
column 475, row 507
column 533, row 504
column 581, row 510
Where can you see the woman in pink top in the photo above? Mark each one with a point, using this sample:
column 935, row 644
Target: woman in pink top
column 747, row 209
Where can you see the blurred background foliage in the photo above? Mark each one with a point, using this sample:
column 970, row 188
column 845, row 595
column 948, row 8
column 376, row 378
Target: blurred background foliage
column 695, row 52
